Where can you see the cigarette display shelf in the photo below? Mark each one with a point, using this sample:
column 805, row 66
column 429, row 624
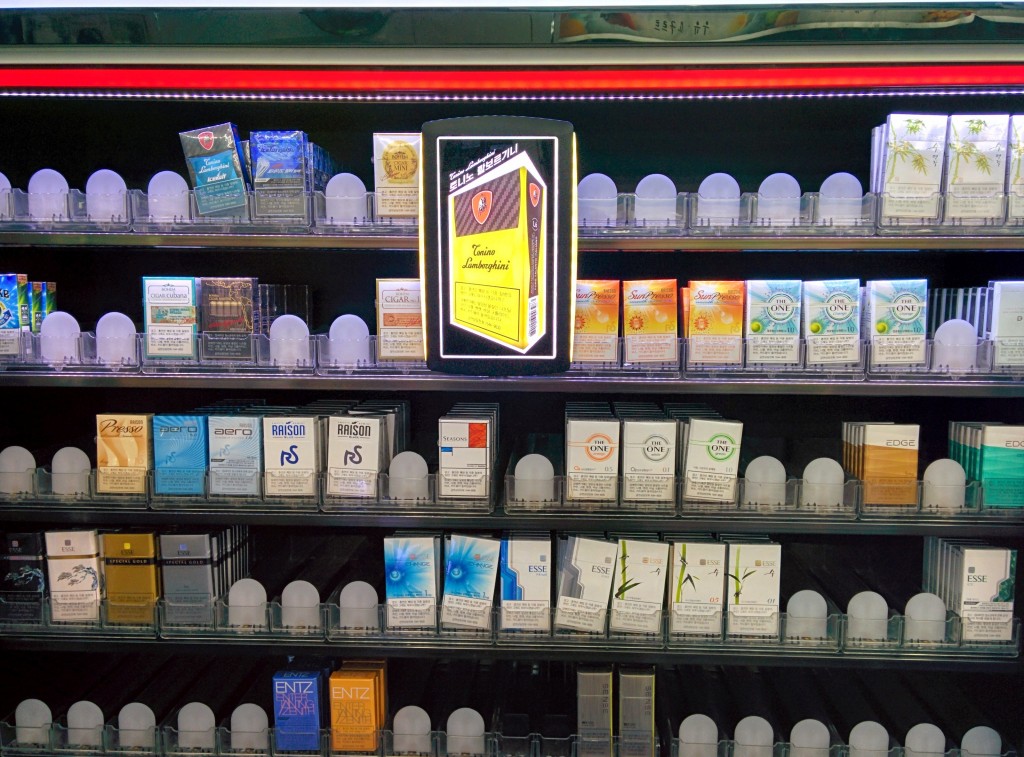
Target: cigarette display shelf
column 723, row 655
column 690, row 132
column 653, row 383
column 262, row 243
column 103, row 513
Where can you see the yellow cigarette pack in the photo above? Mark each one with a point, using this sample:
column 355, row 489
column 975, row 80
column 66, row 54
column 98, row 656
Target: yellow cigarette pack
column 596, row 336
column 684, row 310
column 124, row 453
column 715, row 322
column 497, row 255
column 380, row 669
column 888, row 463
column 131, row 575
column 650, row 321
column 356, row 709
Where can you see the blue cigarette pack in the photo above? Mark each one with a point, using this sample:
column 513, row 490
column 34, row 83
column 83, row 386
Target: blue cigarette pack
column 13, row 295
column 179, row 454
column 297, row 707
column 280, row 167
column 217, row 169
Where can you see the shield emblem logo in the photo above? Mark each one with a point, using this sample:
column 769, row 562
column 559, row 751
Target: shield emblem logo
column 206, row 140
column 534, row 194
column 482, row 205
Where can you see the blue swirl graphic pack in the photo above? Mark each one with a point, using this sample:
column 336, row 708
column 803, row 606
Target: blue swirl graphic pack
column 179, row 453
column 410, row 567
column 471, row 567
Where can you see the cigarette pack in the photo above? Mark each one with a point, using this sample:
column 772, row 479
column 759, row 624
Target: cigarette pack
column 75, row 575
column 297, row 710
column 226, row 318
column 399, row 320
column 179, row 454
column 650, row 324
column 396, row 165
column 236, row 455
column 596, row 336
column 215, row 164
column 170, row 317
column 132, row 579
column 22, row 581
column 124, row 453
column 279, row 173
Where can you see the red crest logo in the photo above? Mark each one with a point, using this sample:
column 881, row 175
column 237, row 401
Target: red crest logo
column 534, row 194
column 482, row 205
column 206, row 140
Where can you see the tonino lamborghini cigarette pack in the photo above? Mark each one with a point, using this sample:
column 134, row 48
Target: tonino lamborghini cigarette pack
column 497, row 244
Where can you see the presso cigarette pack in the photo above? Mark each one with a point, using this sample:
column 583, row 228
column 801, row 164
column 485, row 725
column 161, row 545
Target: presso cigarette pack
column 124, row 453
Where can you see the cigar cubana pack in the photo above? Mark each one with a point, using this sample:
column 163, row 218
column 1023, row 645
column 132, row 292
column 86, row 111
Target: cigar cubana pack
column 497, row 244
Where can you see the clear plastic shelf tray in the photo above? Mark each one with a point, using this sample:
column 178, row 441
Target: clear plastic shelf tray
column 329, row 364
column 248, row 354
column 63, row 212
column 910, row 214
column 360, row 218
column 537, row 496
column 144, row 742
column 770, row 356
column 79, row 354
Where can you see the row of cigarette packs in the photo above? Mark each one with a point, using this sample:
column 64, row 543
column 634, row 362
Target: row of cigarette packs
column 23, row 306
column 130, row 570
column 229, row 445
column 628, row 576
column 772, row 315
column 974, row 160
column 281, row 167
column 646, row 445
column 992, row 453
column 974, row 579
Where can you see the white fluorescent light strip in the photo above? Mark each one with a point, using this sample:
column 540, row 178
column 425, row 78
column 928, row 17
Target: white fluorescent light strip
column 433, row 98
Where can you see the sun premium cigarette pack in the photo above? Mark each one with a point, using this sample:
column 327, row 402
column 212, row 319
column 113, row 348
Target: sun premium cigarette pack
column 497, row 244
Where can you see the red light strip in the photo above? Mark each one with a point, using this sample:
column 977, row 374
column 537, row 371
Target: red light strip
column 522, row 80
